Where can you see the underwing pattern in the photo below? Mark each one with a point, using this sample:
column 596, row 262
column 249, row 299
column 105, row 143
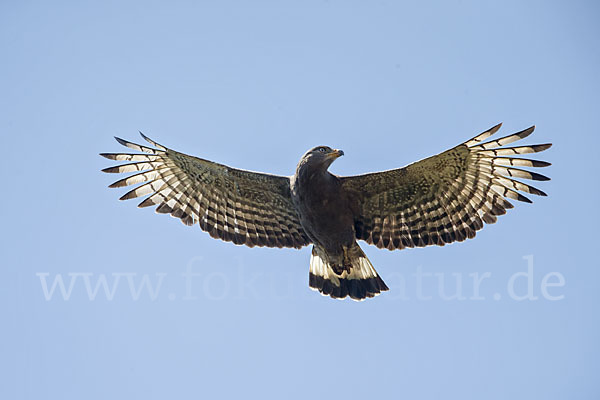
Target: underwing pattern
column 234, row 205
column 441, row 199
column 447, row 197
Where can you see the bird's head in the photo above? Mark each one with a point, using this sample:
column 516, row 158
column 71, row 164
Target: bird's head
column 321, row 156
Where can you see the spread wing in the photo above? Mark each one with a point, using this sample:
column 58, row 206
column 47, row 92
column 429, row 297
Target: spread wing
column 234, row 205
column 444, row 198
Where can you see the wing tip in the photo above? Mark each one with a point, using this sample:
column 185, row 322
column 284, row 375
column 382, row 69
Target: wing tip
column 524, row 199
column 152, row 142
column 121, row 141
column 540, row 164
column 110, row 170
column 128, row 195
column 146, row 138
column 524, row 133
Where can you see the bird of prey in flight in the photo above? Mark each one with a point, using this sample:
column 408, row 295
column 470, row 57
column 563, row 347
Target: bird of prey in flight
column 438, row 200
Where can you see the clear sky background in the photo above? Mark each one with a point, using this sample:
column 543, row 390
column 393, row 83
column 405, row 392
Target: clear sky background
column 254, row 85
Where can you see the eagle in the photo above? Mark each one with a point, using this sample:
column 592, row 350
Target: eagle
column 441, row 199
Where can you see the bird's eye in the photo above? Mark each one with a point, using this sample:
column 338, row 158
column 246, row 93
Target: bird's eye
column 322, row 150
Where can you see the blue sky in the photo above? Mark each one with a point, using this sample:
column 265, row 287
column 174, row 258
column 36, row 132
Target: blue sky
column 254, row 85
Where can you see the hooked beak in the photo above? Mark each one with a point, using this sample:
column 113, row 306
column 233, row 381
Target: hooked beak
column 337, row 153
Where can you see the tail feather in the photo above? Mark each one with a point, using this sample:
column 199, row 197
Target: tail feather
column 360, row 282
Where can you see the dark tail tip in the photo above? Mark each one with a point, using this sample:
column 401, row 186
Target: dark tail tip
column 356, row 289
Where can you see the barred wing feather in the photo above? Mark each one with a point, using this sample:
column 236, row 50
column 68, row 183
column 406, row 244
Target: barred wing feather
column 234, row 205
column 447, row 197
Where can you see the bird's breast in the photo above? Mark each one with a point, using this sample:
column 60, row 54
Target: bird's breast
column 324, row 210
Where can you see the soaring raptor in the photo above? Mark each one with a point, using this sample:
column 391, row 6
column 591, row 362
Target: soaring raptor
column 438, row 200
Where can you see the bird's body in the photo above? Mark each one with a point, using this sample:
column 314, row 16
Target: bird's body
column 438, row 200
column 318, row 197
column 327, row 213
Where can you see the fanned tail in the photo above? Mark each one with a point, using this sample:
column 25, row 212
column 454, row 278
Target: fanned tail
column 360, row 282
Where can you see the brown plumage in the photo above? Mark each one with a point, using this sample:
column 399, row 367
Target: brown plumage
column 438, row 200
